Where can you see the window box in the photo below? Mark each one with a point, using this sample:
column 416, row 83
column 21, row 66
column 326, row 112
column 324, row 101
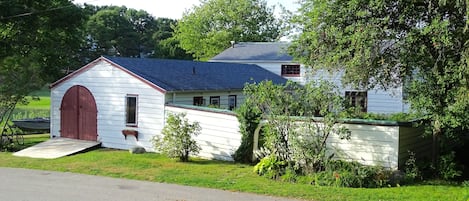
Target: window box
column 131, row 132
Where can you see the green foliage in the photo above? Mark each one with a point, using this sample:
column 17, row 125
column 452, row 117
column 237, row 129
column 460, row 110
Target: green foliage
column 299, row 142
column 206, row 30
column 166, row 46
column 270, row 167
column 412, row 171
column 419, row 46
column 36, row 44
column 399, row 117
column 43, row 40
column 177, row 141
column 465, row 184
column 339, row 173
column 120, row 31
column 248, row 118
column 447, row 167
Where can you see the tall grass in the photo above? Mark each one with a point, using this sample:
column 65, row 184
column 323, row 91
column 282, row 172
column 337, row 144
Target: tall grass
column 38, row 105
column 24, row 113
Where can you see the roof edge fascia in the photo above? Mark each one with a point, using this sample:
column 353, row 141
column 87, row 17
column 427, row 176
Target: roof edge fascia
column 76, row 72
column 93, row 63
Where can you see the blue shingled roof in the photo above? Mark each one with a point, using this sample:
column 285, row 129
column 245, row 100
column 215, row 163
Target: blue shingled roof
column 182, row 75
column 259, row 51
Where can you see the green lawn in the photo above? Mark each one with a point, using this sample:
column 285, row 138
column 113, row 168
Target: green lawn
column 35, row 107
column 216, row 174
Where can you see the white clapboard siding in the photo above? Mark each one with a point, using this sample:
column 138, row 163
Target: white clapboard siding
column 276, row 67
column 187, row 98
column 379, row 101
column 368, row 144
column 109, row 85
column 383, row 143
column 220, row 136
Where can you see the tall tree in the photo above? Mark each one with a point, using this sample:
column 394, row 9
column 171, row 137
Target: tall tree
column 421, row 44
column 166, row 46
column 120, row 31
column 44, row 32
column 38, row 39
column 206, row 30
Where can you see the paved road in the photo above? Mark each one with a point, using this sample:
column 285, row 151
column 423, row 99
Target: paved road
column 35, row 185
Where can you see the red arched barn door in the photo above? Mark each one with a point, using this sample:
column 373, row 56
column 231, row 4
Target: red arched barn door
column 78, row 114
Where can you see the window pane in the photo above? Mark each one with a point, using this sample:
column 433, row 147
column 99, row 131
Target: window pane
column 231, row 102
column 215, row 101
column 131, row 110
column 290, row 70
column 198, row 101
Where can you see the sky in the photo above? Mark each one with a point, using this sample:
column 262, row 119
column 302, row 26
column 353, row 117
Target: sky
column 170, row 8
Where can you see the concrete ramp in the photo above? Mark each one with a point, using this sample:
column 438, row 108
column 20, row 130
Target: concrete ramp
column 56, row 148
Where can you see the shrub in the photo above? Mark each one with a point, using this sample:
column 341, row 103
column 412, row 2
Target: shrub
column 447, row 167
column 412, row 171
column 248, row 118
column 270, row 167
column 177, row 141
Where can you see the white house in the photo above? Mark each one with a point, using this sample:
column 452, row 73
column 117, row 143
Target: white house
column 273, row 56
column 112, row 94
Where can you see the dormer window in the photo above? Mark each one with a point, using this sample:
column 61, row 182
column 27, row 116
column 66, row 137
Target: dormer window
column 291, row 70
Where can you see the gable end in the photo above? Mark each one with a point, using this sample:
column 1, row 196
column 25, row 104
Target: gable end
column 93, row 63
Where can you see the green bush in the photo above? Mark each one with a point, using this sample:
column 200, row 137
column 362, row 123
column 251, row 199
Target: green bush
column 340, row 173
column 248, row 118
column 411, row 170
column 447, row 167
column 177, row 141
column 270, row 167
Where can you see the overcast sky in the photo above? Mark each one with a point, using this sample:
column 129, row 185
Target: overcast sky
column 169, row 8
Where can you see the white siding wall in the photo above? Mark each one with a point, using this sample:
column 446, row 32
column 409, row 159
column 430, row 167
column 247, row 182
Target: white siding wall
column 220, row 136
column 379, row 101
column 188, row 98
column 277, row 69
column 109, row 86
column 369, row 145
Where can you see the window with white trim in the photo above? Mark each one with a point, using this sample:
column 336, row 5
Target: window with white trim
column 131, row 110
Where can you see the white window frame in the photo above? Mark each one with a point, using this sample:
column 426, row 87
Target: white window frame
column 127, row 123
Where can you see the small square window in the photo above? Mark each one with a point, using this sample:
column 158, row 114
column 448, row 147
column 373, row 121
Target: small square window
column 291, row 70
column 215, row 101
column 131, row 110
column 198, row 101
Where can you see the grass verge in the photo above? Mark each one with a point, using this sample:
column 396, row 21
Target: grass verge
column 216, row 174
